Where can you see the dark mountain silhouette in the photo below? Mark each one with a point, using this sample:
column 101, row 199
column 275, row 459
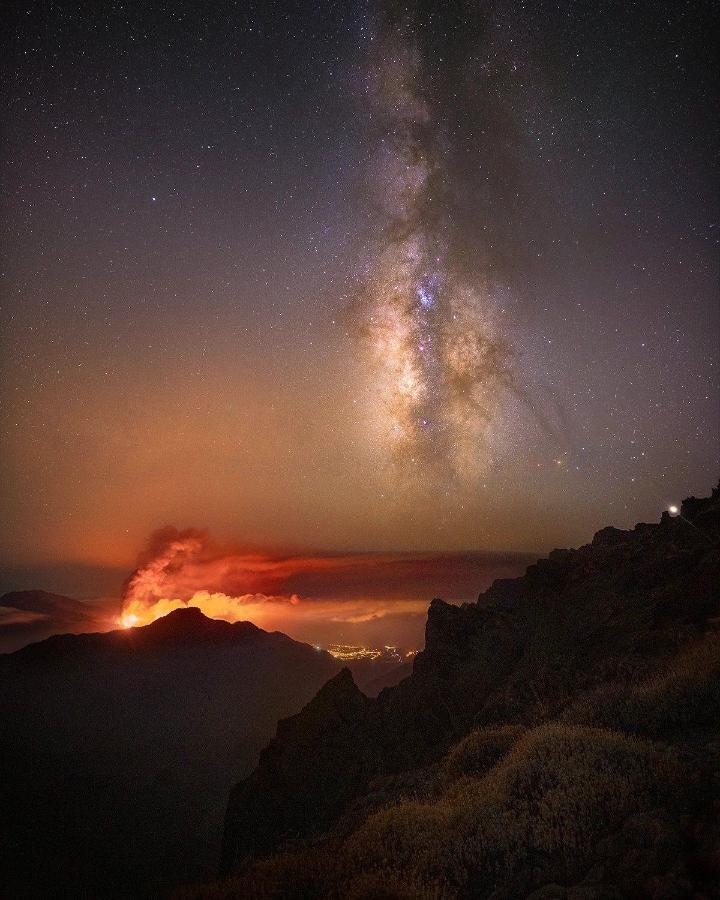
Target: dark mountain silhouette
column 43, row 602
column 27, row 616
column 558, row 738
column 117, row 749
column 372, row 683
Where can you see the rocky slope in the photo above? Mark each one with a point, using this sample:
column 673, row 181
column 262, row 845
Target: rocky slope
column 117, row 749
column 616, row 635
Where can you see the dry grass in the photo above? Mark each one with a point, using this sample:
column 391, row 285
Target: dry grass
column 510, row 809
column 684, row 697
column 479, row 751
column 533, row 817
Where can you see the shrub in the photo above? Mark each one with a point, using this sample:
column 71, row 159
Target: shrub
column 535, row 817
column 313, row 874
column 479, row 751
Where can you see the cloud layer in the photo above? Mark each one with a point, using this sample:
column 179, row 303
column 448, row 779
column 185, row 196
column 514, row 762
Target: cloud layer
column 313, row 597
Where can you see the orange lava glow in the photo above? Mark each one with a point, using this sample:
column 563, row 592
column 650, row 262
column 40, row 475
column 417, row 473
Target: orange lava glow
column 283, row 613
column 129, row 620
column 252, row 607
column 360, row 598
column 186, row 568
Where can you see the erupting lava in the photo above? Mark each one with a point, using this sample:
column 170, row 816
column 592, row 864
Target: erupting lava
column 297, row 594
column 213, row 605
column 185, row 568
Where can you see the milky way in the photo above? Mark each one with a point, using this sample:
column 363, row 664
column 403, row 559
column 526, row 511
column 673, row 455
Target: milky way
column 389, row 274
column 440, row 366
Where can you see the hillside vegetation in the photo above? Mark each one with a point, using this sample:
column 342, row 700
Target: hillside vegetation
column 558, row 739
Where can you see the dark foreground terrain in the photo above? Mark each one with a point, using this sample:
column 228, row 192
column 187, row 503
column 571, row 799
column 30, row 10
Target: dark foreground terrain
column 560, row 738
column 117, row 750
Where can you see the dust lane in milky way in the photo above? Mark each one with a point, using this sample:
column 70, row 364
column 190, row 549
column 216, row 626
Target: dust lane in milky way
column 438, row 365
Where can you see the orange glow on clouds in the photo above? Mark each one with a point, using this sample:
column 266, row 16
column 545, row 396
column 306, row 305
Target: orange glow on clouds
column 270, row 612
column 213, row 605
column 310, row 597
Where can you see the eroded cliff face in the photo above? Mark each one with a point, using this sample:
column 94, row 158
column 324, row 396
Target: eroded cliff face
column 613, row 609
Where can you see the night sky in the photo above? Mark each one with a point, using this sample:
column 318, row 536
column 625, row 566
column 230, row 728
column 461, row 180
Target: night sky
column 356, row 276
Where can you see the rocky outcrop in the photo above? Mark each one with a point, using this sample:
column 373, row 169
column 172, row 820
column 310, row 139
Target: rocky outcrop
column 319, row 760
column 530, row 646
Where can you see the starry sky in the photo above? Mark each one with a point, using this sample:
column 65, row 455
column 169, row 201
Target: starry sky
column 355, row 276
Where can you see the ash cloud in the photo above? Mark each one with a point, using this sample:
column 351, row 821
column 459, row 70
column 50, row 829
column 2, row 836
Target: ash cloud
column 309, row 596
column 354, row 597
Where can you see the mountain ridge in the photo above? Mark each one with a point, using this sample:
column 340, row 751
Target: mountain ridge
column 33, row 615
column 619, row 611
column 121, row 745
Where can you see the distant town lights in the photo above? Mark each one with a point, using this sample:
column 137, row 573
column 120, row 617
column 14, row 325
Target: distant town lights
column 354, row 652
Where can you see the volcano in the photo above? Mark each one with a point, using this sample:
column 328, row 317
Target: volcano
column 117, row 749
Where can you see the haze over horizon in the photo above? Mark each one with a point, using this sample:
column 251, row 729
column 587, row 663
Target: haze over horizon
column 368, row 599
column 363, row 599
